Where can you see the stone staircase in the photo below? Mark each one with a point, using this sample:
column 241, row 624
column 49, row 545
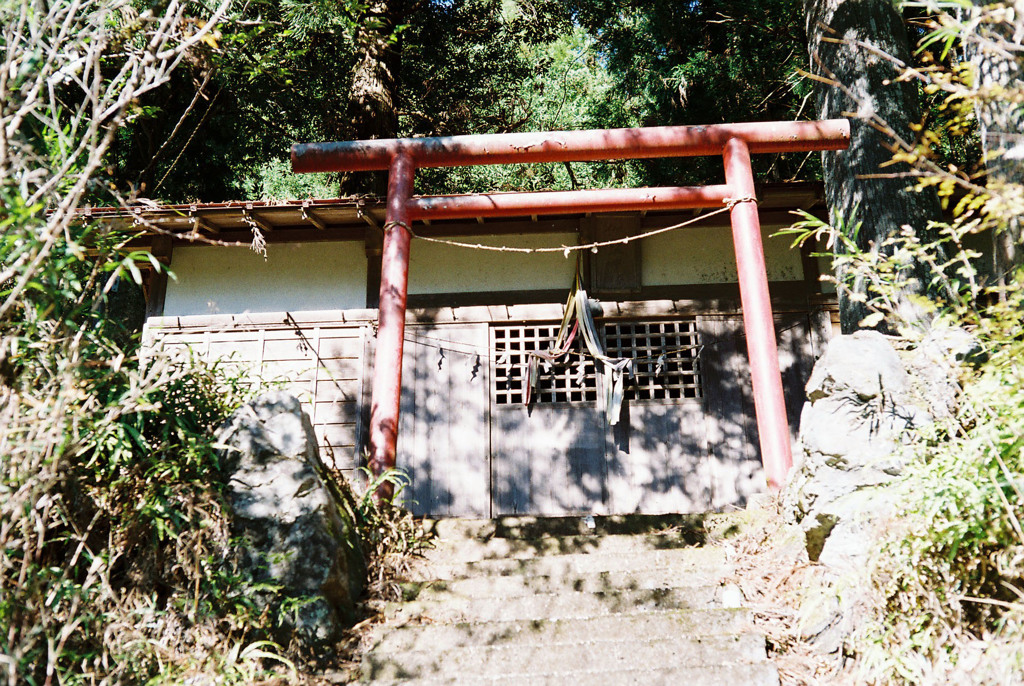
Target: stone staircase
column 605, row 601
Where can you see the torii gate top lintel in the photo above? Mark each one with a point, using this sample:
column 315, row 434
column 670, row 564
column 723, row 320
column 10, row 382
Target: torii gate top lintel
column 735, row 142
column 571, row 146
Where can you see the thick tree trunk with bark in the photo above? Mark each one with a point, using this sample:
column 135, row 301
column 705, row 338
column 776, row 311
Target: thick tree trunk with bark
column 997, row 53
column 847, row 41
column 372, row 111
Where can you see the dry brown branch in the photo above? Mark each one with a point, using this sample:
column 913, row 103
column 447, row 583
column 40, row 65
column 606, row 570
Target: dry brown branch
column 57, row 58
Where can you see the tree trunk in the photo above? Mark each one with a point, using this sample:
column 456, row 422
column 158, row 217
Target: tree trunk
column 999, row 66
column 372, row 98
column 864, row 88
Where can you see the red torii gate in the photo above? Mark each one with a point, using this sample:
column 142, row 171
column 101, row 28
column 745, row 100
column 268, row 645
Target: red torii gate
column 735, row 142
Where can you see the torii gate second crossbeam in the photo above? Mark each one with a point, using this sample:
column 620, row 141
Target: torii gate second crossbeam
column 735, row 142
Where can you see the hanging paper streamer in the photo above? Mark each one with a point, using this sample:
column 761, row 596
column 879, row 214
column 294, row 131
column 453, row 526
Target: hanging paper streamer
column 614, row 389
column 577, row 307
column 613, row 368
column 659, row 367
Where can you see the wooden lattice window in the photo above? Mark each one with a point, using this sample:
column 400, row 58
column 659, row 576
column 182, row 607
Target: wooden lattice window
column 667, row 357
column 574, row 381
column 666, row 368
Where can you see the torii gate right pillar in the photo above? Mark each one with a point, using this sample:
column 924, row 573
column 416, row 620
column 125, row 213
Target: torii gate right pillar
column 758, row 322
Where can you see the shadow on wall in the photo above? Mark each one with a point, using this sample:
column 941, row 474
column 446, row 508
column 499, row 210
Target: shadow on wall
column 468, row 455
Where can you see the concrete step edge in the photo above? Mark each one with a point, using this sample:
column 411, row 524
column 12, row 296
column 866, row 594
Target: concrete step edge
column 757, row 674
column 678, row 560
column 468, row 549
column 718, row 611
column 710, row 622
column 443, row 593
column 445, row 606
column 513, row 585
column 734, row 648
column 658, row 640
column 525, row 527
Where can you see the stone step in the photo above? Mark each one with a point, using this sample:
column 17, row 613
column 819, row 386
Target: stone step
column 450, row 550
column 690, row 526
column 393, row 640
column 452, row 607
column 757, row 674
column 672, row 561
column 553, row 657
column 538, row 601
column 514, row 585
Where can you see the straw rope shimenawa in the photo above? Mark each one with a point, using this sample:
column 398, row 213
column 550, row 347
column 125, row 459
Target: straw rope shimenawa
column 567, row 249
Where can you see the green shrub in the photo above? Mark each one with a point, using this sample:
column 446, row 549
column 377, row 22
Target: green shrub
column 115, row 559
column 950, row 571
column 946, row 599
column 948, row 575
column 114, row 540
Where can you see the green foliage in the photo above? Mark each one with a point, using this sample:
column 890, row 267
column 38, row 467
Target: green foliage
column 881, row 277
column 116, row 564
column 115, row 522
column 948, row 574
column 570, row 88
column 280, row 72
column 704, row 63
column 275, row 74
column 112, row 524
column 116, row 560
column 951, row 572
column 464, row 63
column 389, row 533
column 274, row 180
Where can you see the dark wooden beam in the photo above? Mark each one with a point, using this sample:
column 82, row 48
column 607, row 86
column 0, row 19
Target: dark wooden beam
column 251, row 217
column 309, row 215
column 302, row 232
column 367, row 216
column 373, row 241
column 717, row 297
column 199, row 223
column 162, row 249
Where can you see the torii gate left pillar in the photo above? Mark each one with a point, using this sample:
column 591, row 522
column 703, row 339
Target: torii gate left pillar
column 394, row 290
column 735, row 142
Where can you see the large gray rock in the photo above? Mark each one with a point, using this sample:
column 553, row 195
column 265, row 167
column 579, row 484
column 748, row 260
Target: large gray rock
column 862, row 365
column 861, row 402
column 934, row 366
column 864, row 399
column 299, row 545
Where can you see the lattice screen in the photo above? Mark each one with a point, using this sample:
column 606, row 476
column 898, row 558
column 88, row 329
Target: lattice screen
column 672, row 377
column 575, row 381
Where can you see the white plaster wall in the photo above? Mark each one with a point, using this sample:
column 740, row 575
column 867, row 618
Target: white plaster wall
column 438, row 268
column 293, row 277
column 706, row 255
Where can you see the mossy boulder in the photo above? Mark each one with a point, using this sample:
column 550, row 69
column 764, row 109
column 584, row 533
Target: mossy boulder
column 296, row 527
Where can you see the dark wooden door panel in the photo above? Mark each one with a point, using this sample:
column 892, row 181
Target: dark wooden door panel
column 657, row 461
column 473, row 449
column 548, row 460
column 614, row 271
column 443, row 437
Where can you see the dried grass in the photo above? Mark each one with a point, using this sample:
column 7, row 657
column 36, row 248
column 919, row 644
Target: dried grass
column 771, row 568
column 393, row 542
